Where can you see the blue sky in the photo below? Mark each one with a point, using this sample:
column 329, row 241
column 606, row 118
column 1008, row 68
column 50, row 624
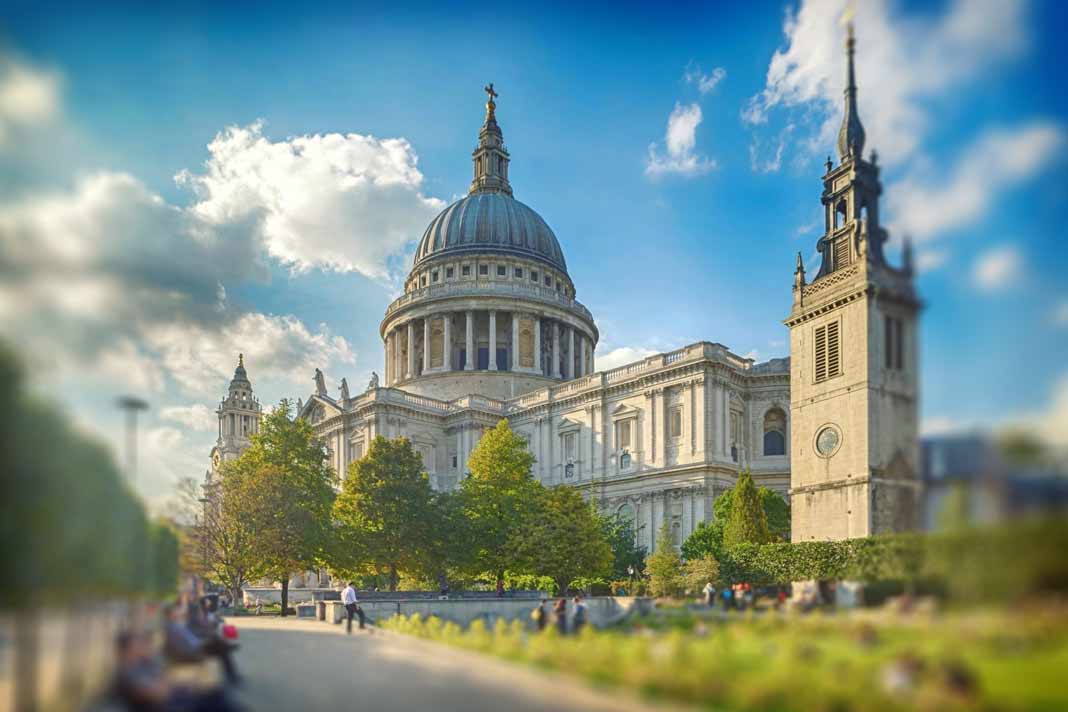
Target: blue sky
column 676, row 152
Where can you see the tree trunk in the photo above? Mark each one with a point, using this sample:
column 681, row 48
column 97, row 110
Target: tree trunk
column 393, row 577
column 285, row 596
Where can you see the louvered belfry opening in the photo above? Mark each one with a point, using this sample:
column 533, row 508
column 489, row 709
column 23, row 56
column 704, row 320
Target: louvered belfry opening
column 828, row 351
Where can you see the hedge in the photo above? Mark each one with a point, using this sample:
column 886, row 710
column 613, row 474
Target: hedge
column 1026, row 556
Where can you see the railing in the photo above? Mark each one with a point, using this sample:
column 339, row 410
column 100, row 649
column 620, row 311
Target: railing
column 491, row 288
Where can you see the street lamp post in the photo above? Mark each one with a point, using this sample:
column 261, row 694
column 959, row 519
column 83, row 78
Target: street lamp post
column 131, row 406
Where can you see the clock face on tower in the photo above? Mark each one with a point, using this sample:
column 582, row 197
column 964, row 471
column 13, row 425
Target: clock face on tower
column 827, row 441
column 216, row 460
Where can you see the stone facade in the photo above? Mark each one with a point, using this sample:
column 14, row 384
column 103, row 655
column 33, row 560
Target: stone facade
column 656, row 440
column 854, row 363
column 489, row 328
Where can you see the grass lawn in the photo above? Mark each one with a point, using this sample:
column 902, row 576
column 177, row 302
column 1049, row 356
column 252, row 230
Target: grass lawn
column 867, row 660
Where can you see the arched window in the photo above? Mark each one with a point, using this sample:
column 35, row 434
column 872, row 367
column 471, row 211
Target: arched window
column 774, row 432
column 676, row 534
column 840, row 214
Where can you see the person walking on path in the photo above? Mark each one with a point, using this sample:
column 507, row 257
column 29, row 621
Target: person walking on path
column 352, row 606
column 727, row 592
column 560, row 611
column 578, row 618
column 540, row 615
column 710, row 594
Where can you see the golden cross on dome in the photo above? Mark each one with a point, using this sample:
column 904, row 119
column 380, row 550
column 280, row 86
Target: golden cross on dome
column 489, row 91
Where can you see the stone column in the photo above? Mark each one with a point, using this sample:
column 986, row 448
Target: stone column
column 725, row 433
column 389, row 359
column 398, row 356
column 469, row 365
column 493, row 340
column 515, row 341
column 570, row 370
column 426, row 344
column 582, row 354
column 537, row 345
column 556, row 350
column 459, row 452
column 411, row 349
column 446, row 352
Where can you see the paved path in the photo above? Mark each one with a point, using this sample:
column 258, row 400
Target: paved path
column 303, row 666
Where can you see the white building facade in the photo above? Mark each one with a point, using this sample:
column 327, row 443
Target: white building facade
column 489, row 328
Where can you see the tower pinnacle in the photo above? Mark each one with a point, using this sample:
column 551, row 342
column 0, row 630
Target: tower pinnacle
column 851, row 135
column 491, row 158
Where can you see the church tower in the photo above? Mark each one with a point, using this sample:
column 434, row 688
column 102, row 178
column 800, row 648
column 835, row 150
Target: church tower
column 853, row 361
column 239, row 418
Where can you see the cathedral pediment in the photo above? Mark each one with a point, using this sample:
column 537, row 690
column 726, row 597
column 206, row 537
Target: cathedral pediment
column 567, row 425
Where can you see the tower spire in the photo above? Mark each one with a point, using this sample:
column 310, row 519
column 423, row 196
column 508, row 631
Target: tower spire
column 851, row 135
column 491, row 158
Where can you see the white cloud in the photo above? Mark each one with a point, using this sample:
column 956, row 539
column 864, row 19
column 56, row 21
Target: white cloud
column 931, row 200
column 998, row 268
column 277, row 348
column 930, row 260
column 621, row 356
column 197, row 416
column 1060, row 314
column 344, row 202
column 705, row 83
column 903, row 61
column 680, row 140
column 28, row 97
column 941, row 425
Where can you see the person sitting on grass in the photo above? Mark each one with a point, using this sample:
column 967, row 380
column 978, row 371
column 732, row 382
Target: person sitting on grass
column 141, row 686
column 182, row 645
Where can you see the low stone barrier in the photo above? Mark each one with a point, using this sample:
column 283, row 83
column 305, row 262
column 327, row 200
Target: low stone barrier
column 602, row 610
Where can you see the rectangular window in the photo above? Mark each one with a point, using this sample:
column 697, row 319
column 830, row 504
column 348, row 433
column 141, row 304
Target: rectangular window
column 569, row 446
column 483, row 270
column 676, row 422
column 548, row 281
column 434, row 276
column 422, row 281
column 623, row 435
column 502, row 271
column 533, row 276
column 899, row 344
column 465, row 270
column 450, row 272
column 828, row 352
column 894, row 342
column 518, row 273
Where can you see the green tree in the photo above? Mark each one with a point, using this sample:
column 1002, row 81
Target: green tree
column 707, row 538
column 282, row 489
column 562, row 537
column 747, row 524
column 700, row 571
column 626, row 553
column 496, row 499
column 388, row 507
column 664, row 567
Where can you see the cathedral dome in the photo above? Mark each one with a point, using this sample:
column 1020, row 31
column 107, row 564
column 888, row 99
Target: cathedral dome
column 492, row 222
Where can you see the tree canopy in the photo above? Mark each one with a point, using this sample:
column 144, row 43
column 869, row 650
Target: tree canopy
column 387, row 512
column 282, row 489
column 562, row 537
column 496, row 498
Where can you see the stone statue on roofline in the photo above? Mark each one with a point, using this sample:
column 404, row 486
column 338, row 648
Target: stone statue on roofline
column 373, row 383
column 320, row 383
column 344, row 390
